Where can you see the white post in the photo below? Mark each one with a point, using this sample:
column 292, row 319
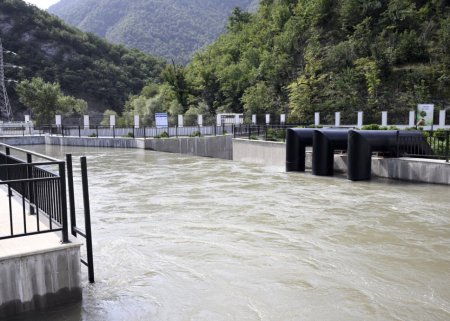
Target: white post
column 200, row 120
column 254, row 119
column 283, row 118
column 180, row 120
column 442, row 118
column 86, row 121
column 360, row 119
column 267, row 119
column 384, row 118
column 136, row 121
column 316, row 119
column 112, row 121
column 337, row 119
column 412, row 118
column 27, row 118
column 58, row 120
column 236, row 119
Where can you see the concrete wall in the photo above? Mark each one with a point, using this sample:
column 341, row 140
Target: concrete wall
column 22, row 140
column 207, row 146
column 91, row 141
column 39, row 280
column 410, row 169
column 259, row 152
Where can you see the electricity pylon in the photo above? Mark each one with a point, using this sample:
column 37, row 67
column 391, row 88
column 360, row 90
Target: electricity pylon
column 5, row 106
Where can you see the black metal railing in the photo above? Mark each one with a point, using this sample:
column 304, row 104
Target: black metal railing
column 40, row 190
column 432, row 144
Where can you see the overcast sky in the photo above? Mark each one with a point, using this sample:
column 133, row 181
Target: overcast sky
column 43, row 4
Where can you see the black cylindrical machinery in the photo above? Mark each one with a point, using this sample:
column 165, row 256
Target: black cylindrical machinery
column 296, row 141
column 325, row 142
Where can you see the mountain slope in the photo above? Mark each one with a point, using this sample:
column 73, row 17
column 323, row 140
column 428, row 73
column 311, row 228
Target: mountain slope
column 85, row 65
column 302, row 56
column 173, row 29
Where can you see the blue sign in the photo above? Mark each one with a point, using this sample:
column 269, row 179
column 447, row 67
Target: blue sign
column 161, row 120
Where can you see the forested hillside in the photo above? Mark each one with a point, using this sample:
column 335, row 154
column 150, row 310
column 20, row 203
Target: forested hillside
column 173, row 29
column 85, row 65
column 301, row 56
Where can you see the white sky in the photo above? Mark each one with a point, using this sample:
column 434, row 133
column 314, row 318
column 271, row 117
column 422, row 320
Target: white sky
column 43, row 4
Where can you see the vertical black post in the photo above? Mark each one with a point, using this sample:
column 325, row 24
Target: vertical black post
column 79, row 131
column 215, row 130
column 133, row 132
column 447, row 139
column 265, row 127
column 223, row 129
column 398, row 144
column 96, row 131
column 87, row 219
column 114, row 131
column 30, row 175
column 145, row 136
column 62, row 186
column 73, row 220
column 176, row 131
column 23, row 131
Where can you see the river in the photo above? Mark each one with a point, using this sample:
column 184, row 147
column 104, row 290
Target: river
column 187, row 238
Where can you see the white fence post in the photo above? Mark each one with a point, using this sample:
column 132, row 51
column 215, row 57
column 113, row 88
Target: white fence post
column 337, row 119
column 360, row 119
column 200, row 120
column 254, row 119
column 283, row 118
column 86, row 121
column 412, row 118
column 112, row 121
column 316, row 118
column 267, row 119
column 58, row 120
column 384, row 118
column 180, row 121
column 442, row 118
column 136, row 121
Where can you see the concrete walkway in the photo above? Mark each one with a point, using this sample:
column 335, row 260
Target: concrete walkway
column 26, row 245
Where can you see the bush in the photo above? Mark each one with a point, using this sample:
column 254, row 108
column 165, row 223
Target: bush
column 440, row 134
column 275, row 134
column 196, row 134
column 93, row 135
column 371, row 127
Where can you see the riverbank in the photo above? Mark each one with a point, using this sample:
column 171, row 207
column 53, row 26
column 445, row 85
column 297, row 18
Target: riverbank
column 251, row 151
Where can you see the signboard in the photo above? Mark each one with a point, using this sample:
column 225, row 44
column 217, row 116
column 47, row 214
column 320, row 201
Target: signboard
column 425, row 114
column 161, row 120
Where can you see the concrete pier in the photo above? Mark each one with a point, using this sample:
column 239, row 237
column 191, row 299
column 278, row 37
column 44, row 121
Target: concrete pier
column 433, row 171
column 36, row 271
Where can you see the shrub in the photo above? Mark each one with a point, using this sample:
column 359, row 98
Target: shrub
column 196, row 134
column 93, row 135
column 371, row 127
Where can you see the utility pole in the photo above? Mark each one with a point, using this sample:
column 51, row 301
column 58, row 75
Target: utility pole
column 5, row 106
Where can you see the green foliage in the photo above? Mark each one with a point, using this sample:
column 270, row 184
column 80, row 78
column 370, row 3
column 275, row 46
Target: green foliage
column 162, row 135
column 371, row 127
column 441, row 134
column 172, row 29
column 45, row 100
column 302, row 56
column 274, row 134
column 93, row 135
column 196, row 134
column 84, row 65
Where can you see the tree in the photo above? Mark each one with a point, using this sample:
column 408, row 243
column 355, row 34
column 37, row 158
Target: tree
column 45, row 100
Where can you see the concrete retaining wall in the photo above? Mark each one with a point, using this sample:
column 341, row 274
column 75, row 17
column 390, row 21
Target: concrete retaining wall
column 22, row 140
column 92, row 141
column 207, row 146
column 40, row 280
column 259, row 152
column 409, row 169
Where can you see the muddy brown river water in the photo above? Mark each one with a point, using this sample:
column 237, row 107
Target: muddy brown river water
column 188, row 238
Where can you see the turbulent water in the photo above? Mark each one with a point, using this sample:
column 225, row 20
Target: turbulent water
column 187, row 238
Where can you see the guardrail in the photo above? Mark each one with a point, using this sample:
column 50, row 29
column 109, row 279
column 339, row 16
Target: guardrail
column 36, row 187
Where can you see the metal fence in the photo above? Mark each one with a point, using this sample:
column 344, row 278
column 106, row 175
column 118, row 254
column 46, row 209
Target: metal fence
column 36, row 188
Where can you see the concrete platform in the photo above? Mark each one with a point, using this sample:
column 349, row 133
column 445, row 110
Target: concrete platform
column 36, row 271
